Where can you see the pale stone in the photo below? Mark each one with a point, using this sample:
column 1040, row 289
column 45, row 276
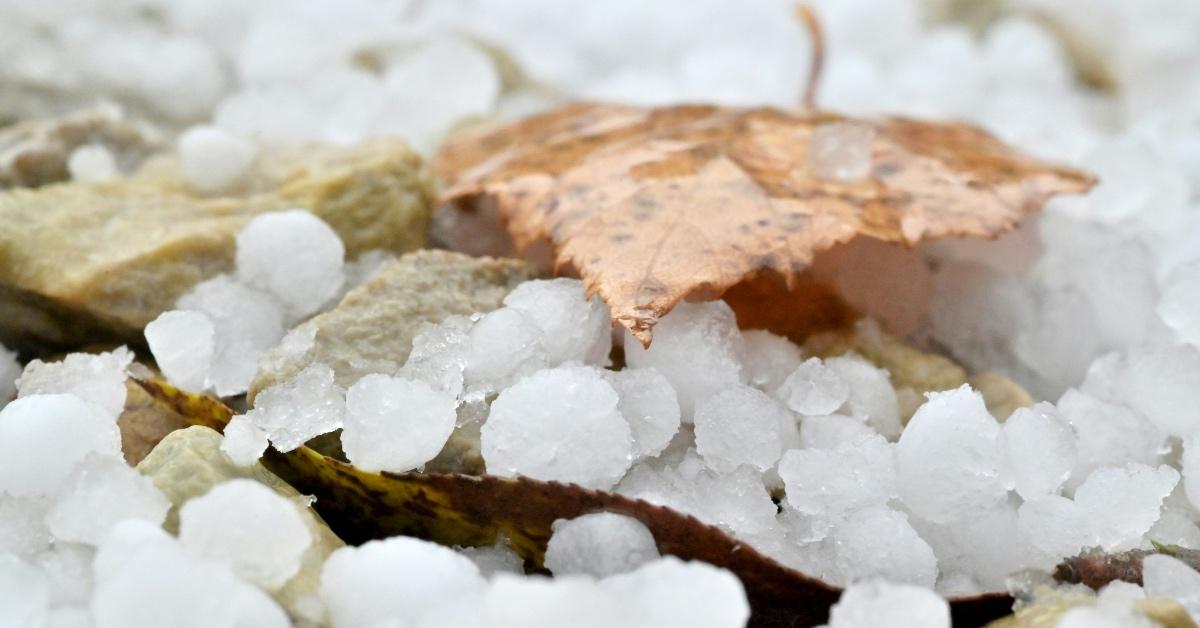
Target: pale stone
column 85, row 261
column 187, row 463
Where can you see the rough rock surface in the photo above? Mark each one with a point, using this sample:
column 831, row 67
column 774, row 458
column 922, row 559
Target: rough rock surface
column 188, row 462
column 80, row 262
column 372, row 329
column 35, row 152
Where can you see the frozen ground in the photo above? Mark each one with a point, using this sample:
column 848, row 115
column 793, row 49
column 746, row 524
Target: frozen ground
column 1094, row 307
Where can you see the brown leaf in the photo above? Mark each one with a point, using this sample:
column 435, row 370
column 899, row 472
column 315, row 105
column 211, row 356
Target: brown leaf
column 652, row 206
column 455, row 509
column 1096, row 569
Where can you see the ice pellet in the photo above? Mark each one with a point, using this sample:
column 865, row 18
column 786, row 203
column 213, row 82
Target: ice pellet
column 183, row 343
column 559, row 424
column 395, row 424
column 600, row 544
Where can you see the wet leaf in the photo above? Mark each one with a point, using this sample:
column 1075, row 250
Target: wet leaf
column 652, row 206
column 1096, row 569
column 457, row 509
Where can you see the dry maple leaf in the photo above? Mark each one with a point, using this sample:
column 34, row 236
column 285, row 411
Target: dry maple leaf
column 652, row 206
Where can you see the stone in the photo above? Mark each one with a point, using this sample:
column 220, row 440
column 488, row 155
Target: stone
column 34, row 153
column 188, row 463
column 372, row 329
column 87, row 261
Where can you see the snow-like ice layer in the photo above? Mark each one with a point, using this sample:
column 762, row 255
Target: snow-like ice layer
column 260, row 534
column 96, row 378
column 502, row 347
column 600, row 544
column 293, row 411
column 558, row 424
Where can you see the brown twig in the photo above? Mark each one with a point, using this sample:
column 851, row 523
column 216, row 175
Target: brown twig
column 813, row 25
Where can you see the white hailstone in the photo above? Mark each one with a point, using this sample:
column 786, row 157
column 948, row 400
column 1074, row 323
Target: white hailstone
column 840, row 151
column 949, row 460
column 1115, row 607
column 98, row 378
column 600, row 544
column 768, row 359
column 43, row 437
column 1179, row 306
column 739, row 425
column 696, row 346
column 246, row 323
column 671, row 592
column 10, row 370
column 293, row 255
column 1165, row 576
column 1108, row 434
column 559, row 424
column 101, row 492
column 829, row 483
column 879, row 541
column 23, row 531
column 438, row 355
column 519, row 602
column 872, row 397
column 833, row 431
column 988, row 545
column 243, row 442
column 423, row 115
column 814, row 389
column 396, row 577
column 1161, row 385
column 305, row 406
column 213, row 159
column 649, row 405
column 495, row 559
column 182, row 342
column 1122, row 503
column 574, row 329
column 395, row 424
column 873, row 603
column 24, row 593
column 1040, row 446
column 1054, row 524
column 260, row 534
column 145, row 579
column 92, row 162
column 68, row 567
column 1189, row 466
column 503, row 346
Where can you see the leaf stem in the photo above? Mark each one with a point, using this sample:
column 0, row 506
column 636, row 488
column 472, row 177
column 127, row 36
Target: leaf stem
column 813, row 25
